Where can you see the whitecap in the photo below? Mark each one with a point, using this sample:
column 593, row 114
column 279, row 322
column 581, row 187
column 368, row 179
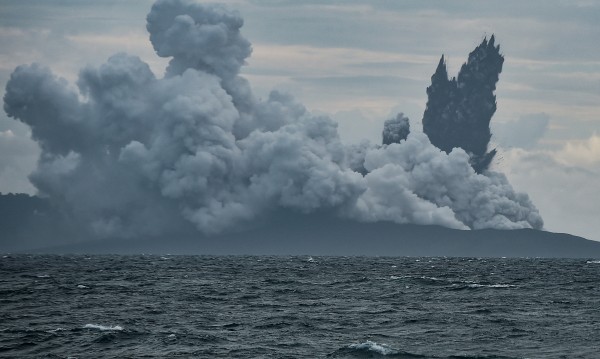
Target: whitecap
column 374, row 347
column 594, row 262
column 475, row 285
column 43, row 276
column 394, row 277
column 501, row 286
column 310, row 259
column 81, row 286
column 102, row 327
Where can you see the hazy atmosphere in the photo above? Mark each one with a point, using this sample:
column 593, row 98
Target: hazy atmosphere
column 358, row 63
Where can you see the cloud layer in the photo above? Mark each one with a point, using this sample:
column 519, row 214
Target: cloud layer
column 129, row 154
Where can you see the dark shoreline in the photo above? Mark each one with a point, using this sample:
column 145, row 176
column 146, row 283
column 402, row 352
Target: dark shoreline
column 326, row 236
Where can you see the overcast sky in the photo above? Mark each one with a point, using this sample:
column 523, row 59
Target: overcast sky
column 362, row 61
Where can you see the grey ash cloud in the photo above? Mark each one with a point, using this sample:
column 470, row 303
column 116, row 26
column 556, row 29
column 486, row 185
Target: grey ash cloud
column 459, row 110
column 130, row 154
column 396, row 129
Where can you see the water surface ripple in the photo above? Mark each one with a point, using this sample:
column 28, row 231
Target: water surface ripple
column 293, row 307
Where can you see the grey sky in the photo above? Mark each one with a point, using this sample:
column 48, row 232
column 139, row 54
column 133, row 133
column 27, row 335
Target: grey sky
column 362, row 61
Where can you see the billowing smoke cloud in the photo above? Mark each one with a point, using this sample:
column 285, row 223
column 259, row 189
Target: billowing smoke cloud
column 459, row 111
column 198, row 37
column 131, row 154
column 396, row 129
column 448, row 181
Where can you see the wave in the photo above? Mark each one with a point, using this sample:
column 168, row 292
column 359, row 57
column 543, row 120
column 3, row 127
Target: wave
column 423, row 278
column 476, row 285
column 371, row 349
column 102, row 327
column 454, row 284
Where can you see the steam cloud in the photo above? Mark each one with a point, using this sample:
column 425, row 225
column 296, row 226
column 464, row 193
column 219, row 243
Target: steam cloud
column 133, row 155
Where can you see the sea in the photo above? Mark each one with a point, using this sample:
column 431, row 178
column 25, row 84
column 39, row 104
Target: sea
column 150, row 306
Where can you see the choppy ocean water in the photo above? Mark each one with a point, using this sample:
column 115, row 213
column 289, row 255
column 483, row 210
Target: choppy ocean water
column 297, row 307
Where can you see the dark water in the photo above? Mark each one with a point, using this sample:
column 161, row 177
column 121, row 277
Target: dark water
column 293, row 307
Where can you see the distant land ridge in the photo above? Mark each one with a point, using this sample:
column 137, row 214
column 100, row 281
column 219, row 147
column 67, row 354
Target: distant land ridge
column 323, row 235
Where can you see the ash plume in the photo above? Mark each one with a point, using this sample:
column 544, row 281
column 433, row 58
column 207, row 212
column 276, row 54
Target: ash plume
column 129, row 154
column 459, row 111
column 395, row 129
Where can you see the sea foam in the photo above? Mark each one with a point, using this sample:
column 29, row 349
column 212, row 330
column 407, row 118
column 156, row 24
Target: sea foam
column 476, row 285
column 371, row 346
column 102, row 327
